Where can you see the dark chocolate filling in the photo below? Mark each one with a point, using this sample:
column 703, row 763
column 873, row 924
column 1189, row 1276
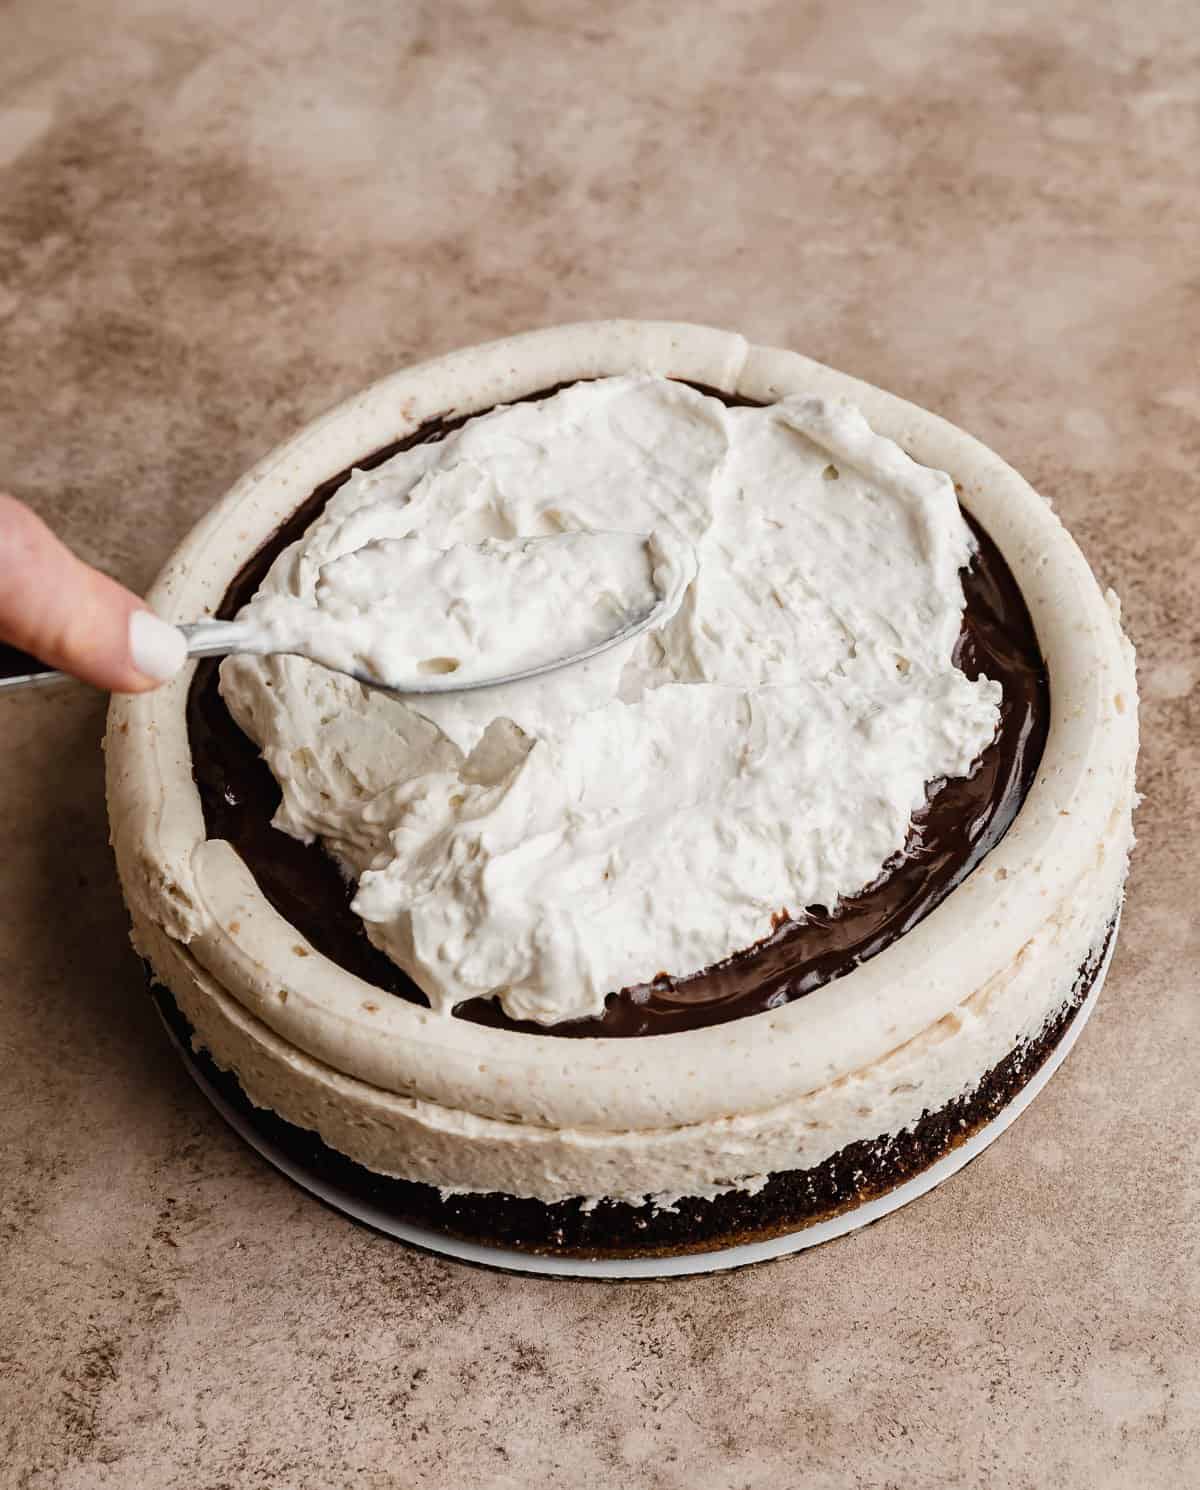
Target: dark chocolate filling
column 962, row 821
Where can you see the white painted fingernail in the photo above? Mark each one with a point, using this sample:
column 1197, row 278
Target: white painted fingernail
column 156, row 649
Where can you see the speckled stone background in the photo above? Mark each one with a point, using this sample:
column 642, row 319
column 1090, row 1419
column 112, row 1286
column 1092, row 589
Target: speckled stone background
column 215, row 221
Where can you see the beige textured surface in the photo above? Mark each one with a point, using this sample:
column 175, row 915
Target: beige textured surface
column 215, row 221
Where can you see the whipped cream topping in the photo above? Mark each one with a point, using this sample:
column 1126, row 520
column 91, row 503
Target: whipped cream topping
column 653, row 809
column 401, row 611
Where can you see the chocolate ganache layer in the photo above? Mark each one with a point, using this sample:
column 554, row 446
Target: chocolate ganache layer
column 962, row 820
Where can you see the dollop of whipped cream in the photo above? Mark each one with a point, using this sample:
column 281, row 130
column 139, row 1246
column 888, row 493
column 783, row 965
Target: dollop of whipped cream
column 399, row 611
column 652, row 809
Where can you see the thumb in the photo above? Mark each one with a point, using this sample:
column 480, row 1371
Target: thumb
column 75, row 618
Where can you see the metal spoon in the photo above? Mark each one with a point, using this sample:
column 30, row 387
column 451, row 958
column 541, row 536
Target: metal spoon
column 221, row 638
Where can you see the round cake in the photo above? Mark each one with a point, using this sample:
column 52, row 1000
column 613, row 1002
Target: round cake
column 745, row 921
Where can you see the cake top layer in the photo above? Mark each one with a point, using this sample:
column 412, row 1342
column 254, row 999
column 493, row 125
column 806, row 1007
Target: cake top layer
column 201, row 912
column 652, row 810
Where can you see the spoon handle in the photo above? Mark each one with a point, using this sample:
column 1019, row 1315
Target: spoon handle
column 19, row 670
column 204, row 638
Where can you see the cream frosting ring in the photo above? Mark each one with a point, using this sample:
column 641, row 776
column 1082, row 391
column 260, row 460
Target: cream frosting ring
column 198, row 892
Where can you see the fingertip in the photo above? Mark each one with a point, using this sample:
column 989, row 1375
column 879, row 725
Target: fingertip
column 157, row 649
column 74, row 617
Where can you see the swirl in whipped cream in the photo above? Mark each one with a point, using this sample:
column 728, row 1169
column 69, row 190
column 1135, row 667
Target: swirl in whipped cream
column 652, row 809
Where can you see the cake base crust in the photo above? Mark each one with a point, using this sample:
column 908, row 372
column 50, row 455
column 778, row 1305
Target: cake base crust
column 787, row 1202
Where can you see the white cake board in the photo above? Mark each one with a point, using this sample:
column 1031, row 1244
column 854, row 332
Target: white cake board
column 661, row 1267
